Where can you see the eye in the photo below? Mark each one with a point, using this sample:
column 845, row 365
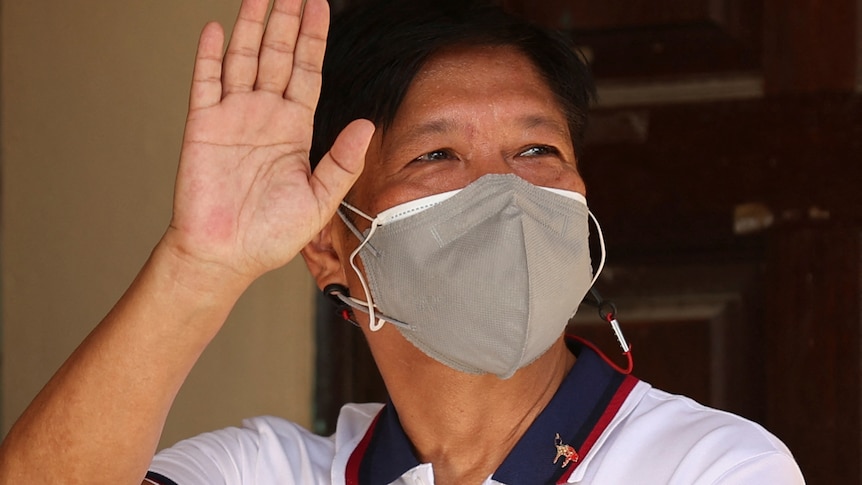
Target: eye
column 435, row 156
column 538, row 151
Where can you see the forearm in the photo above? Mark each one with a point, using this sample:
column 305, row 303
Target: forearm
column 99, row 418
column 246, row 202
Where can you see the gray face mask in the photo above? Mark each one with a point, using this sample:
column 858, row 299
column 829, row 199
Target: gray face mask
column 482, row 279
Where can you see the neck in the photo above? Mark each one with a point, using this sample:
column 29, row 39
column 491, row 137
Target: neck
column 465, row 425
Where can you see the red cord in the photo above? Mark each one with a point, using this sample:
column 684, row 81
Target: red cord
column 626, row 371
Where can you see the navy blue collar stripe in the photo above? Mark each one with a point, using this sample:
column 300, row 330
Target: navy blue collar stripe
column 357, row 458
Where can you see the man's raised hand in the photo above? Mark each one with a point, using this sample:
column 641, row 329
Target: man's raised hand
column 245, row 197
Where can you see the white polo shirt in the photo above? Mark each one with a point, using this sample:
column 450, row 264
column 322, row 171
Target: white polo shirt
column 620, row 430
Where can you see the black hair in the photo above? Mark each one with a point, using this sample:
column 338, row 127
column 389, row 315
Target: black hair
column 375, row 50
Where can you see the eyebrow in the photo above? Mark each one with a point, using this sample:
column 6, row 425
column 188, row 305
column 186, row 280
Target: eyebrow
column 434, row 127
column 539, row 121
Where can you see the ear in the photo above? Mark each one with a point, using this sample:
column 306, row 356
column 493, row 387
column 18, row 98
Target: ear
column 323, row 260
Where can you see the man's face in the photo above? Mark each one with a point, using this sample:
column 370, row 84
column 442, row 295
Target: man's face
column 469, row 112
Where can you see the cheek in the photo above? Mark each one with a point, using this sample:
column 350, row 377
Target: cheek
column 570, row 179
column 556, row 176
column 362, row 191
column 399, row 190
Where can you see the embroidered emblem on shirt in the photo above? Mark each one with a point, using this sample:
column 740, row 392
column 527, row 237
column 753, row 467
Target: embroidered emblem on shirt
column 564, row 451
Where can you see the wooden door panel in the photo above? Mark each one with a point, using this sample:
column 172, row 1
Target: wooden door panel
column 632, row 39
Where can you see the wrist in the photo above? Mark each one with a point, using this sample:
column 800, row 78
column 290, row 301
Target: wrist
column 205, row 279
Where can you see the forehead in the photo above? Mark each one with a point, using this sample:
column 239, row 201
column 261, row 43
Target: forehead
column 464, row 71
column 459, row 85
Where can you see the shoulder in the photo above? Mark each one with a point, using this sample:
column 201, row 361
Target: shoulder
column 698, row 428
column 263, row 450
column 674, row 437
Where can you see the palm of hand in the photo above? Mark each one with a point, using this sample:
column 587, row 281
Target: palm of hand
column 245, row 195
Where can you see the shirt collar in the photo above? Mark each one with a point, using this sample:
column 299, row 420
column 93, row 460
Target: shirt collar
column 576, row 412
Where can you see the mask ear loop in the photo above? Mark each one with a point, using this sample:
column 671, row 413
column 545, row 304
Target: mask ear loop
column 374, row 323
column 601, row 246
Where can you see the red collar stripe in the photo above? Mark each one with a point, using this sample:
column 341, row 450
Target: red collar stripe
column 355, row 460
column 610, row 411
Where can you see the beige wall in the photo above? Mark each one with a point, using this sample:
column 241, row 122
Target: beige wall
column 93, row 101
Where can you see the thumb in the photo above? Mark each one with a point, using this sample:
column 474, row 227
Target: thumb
column 338, row 170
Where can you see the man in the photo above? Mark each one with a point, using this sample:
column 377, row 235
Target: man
column 457, row 220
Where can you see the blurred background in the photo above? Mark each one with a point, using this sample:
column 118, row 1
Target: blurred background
column 724, row 160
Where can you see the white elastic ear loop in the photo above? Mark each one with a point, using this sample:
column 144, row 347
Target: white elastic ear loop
column 601, row 246
column 580, row 198
column 373, row 323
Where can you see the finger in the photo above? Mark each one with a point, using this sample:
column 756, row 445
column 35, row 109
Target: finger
column 304, row 85
column 339, row 169
column 277, row 48
column 240, row 60
column 206, row 77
